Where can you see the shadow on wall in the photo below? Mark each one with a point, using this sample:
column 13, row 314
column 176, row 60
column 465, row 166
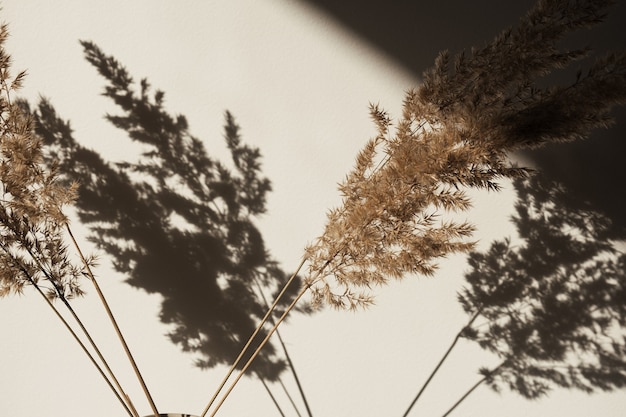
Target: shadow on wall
column 551, row 305
column 593, row 170
column 176, row 222
column 414, row 32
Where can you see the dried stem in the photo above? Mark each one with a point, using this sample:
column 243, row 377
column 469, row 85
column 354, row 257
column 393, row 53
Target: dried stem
column 258, row 349
column 295, row 376
column 128, row 404
column 113, row 322
column 256, row 331
column 289, row 362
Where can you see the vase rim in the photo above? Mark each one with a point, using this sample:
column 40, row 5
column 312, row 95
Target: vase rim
column 172, row 415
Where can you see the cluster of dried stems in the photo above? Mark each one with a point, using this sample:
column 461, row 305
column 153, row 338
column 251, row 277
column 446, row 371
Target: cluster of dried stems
column 454, row 134
column 33, row 228
column 392, row 221
column 31, row 218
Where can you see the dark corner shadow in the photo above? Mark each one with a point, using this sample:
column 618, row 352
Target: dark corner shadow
column 593, row 170
column 414, row 32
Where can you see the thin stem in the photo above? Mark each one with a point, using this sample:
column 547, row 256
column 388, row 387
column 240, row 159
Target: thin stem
column 289, row 362
column 89, row 355
column 256, row 331
column 99, row 353
column 441, row 361
column 264, row 384
column 80, row 342
column 271, row 395
column 272, row 330
column 295, row 375
column 258, row 349
column 113, row 322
